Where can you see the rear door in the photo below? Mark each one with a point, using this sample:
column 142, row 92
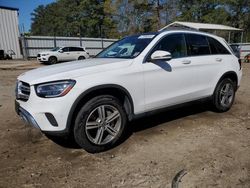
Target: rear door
column 205, row 63
column 74, row 53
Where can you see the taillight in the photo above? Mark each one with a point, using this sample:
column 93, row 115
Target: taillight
column 239, row 60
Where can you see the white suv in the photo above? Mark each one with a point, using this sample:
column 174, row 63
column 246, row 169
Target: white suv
column 93, row 101
column 63, row 54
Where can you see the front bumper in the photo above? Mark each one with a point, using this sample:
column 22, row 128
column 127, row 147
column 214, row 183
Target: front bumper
column 49, row 114
column 26, row 116
column 43, row 58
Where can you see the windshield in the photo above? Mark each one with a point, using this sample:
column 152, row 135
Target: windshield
column 129, row 47
column 55, row 49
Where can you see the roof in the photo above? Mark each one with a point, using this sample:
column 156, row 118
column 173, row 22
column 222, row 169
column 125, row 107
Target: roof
column 201, row 26
column 8, row 8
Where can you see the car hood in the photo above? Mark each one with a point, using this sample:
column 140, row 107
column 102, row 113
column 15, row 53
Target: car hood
column 73, row 70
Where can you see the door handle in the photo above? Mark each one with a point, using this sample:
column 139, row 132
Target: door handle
column 186, row 62
column 218, row 59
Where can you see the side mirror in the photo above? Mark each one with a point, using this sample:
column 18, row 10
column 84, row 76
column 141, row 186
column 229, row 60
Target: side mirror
column 161, row 55
column 60, row 51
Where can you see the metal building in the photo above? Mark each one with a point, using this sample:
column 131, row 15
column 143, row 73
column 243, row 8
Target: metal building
column 206, row 27
column 9, row 32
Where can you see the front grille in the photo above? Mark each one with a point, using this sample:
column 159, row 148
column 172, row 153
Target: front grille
column 38, row 55
column 22, row 91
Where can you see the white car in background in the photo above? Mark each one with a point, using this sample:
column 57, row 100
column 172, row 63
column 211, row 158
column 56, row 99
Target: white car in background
column 60, row 54
column 245, row 52
column 242, row 51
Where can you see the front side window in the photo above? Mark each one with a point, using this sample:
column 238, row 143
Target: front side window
column 65, row 49
column 175, row 44
column 129, row 47
column 197, row 45
column 55, row 49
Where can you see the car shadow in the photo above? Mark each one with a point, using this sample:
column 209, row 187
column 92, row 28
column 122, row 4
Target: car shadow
column 165, row 116
column 147, row 122
column 65, row 141
column 163, row 64
column 169, row 115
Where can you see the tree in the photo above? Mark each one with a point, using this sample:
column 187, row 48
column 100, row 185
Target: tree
column 87, row 18
column 117, row 18
column 234, row 13
column 239, row 15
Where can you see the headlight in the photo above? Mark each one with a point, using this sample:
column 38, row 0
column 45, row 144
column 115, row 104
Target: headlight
column 54, row 89
column 45, row 54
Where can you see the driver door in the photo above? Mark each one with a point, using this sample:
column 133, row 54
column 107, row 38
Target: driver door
column 169, row 82
column 65, row 55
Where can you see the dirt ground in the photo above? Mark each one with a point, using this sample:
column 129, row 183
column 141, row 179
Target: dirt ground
column 213, row 148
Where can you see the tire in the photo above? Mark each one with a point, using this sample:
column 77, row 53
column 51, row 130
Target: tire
column 52, row 60
column 224, row 94
column 93, row 132
column 81, row 58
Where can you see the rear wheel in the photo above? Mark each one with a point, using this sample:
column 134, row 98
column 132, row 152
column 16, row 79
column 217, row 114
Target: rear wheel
column 81, row 58
column 224, row 95
column 100, row 124
column 52, row 60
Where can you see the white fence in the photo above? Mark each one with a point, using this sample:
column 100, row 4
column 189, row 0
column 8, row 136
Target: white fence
column 32, row 45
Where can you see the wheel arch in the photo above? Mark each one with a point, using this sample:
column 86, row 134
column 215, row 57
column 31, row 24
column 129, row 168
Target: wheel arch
column 84, row 57
column 230, row 74
column 111, row 89
column 51, row 56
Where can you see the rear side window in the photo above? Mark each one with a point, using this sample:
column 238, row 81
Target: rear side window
column 75, row 49
column 216, row 47
column 197, row 45
column 175, row 44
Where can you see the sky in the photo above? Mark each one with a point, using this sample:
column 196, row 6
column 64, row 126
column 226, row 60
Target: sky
column 25, row 7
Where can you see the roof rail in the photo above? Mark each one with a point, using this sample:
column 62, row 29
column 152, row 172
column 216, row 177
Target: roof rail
column 171, row 28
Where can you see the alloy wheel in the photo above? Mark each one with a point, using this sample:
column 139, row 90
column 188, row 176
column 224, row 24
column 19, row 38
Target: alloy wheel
column 103, row 124
column 226, row 95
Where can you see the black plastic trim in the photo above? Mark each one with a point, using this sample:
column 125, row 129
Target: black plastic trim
column 51, row 119
column 172, row 107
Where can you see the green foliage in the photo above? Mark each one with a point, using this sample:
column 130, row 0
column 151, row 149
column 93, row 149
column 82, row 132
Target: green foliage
column 73, row 18
column 235, row 13
column 116, row 18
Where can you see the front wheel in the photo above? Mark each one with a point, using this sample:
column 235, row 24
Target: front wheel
column 224, row 95
column 100, row 124
column 52, row 60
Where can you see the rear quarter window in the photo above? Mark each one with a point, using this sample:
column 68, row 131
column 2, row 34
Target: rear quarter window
column 80, row 49
column 216, row 47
